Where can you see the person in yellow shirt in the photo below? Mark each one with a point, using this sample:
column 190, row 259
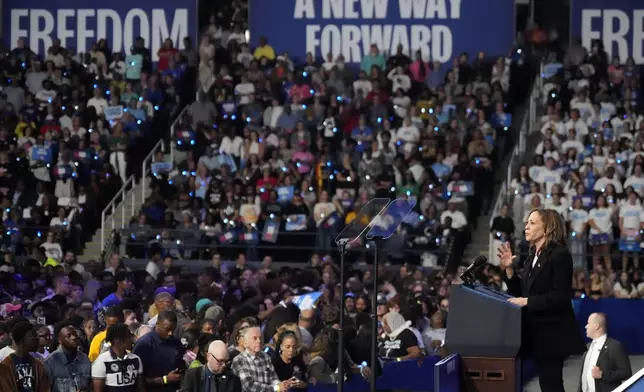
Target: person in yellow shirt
column 113, row 315
column 264, row 50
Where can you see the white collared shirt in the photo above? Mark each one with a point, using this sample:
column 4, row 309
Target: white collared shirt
column 587, row 380
column 534, row 261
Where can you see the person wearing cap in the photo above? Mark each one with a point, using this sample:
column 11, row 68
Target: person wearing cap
column 202, row 303
column 154, row 310
column 163, row 300
column 9, row 310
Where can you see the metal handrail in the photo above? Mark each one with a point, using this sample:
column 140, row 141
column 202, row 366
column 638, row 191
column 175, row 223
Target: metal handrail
column 172, row 131
column 111, row 207
column 149, row 159
column 147, row 162
column 517, row 153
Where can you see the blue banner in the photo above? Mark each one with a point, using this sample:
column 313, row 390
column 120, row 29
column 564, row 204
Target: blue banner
column 617, row 23
column 406, row 375
column 79, row 24
column 440, row 29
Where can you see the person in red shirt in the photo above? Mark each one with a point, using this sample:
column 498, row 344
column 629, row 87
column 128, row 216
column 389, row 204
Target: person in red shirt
column 165, row 54
column 266, row 184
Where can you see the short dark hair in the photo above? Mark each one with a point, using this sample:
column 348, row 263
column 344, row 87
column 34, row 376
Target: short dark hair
column 60, row 326
column 115, row 311
column 117, row 332
column 167, row 315
column 121, row 276
column 20, row 330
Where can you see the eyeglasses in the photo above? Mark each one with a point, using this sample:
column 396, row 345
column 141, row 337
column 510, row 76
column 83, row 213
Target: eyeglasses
column 220, row 361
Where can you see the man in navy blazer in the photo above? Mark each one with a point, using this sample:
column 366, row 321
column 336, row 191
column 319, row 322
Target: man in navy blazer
column 606, row 364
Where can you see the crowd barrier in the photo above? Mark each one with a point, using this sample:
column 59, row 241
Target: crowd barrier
column 406, row 375
column 625, row 319
column 432, row 374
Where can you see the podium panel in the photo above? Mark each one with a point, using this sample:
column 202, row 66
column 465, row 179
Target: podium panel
column 491, row 374
column 482, row 323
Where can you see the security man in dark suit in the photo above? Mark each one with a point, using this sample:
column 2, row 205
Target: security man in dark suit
column 214, row 376
column 544, row 289
column 606, row 364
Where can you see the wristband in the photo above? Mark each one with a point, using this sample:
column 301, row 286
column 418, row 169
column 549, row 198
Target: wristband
column 165, row 379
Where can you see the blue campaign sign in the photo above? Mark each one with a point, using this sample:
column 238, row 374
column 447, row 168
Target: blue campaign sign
column 619, row 24
column 113, row 112
column 440, row 29
column 41, row 154
column 79, row 24
column 306, row 301
column 285, row 193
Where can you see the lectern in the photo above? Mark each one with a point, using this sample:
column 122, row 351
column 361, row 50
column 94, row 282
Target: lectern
column 485, row 329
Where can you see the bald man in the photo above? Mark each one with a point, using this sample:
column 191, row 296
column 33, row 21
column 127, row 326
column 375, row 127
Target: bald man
column 606, row 364
column 214, row 376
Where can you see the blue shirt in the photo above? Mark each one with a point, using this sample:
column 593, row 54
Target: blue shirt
column 362, row 146
column 68, row 374
column 160, row 357
column 111, row 300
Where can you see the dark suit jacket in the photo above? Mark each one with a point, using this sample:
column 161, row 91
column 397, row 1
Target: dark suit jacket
column 194, row 381
column 549, row 325
column 614, row 364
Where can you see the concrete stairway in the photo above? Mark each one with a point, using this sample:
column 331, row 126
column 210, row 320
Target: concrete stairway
column 121, row 214
column 480, row 243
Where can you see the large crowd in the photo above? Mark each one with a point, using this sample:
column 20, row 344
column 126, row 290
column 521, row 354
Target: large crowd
column 277, row 154
column 588, row 167
column 271, row 160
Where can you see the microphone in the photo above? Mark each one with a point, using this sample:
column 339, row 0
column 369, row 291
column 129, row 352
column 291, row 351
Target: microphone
column 476, row 264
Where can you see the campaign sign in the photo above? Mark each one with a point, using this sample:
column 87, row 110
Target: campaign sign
column 619, row 24
column 41, row 154
column 296, row 223
column 440, row 29
column 79, row 24
column 306, row 301
column 285, row 193
column 113, row 112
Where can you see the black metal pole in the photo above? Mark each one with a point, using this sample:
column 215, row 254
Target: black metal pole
column 342, row 248
column 374, row 319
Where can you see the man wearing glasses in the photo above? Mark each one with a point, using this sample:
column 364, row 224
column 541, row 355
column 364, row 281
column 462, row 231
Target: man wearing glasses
column 214, row 376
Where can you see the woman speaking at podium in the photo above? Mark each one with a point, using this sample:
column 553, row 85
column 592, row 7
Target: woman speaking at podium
column 544, row 288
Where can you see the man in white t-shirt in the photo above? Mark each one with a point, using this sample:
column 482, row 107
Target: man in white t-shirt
column 608, row 178
column 243, row 90
column 98, row 102
column 459, row 220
